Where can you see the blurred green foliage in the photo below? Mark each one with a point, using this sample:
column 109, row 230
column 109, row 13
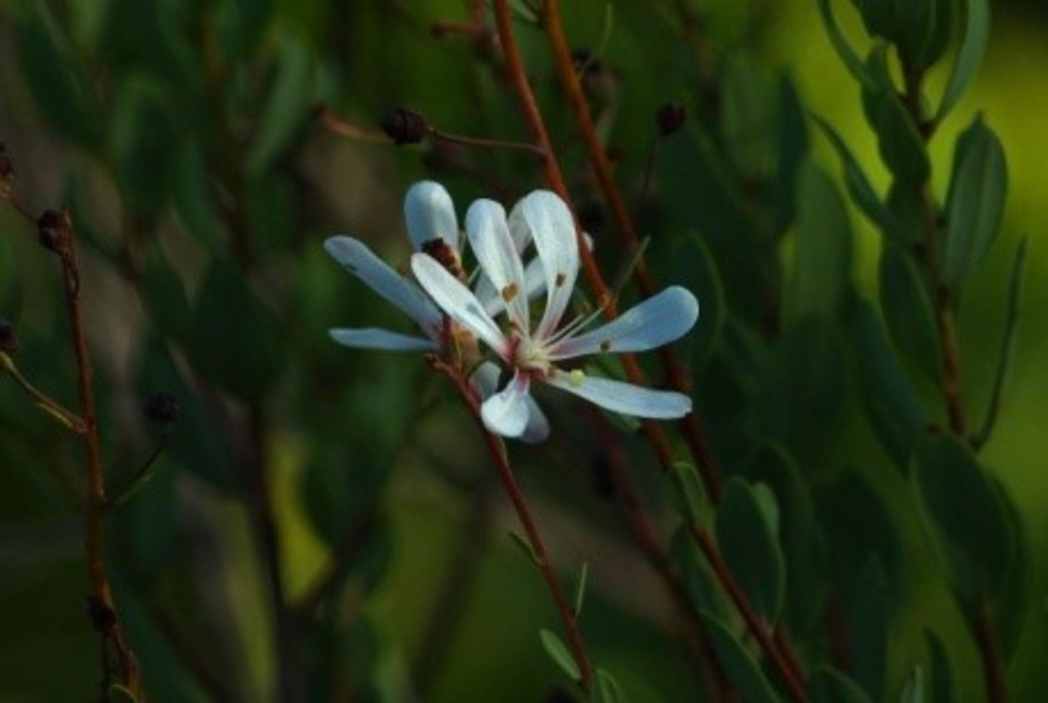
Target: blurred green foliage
column 182, row 135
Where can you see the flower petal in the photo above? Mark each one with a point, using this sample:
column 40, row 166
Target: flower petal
column 624, row 398
column 553, row 231
column 356, row 258
column 537, row 429
column 430, row 214
column 457, row 301
column 498, row 257
column 506, row 413
column 657, row 321
column 534, row 286
column 374, row 338
column 485, row 381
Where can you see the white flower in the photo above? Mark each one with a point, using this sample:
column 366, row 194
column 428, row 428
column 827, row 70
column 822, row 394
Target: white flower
column 532, row 354
column 432, row 227
column 430, row 217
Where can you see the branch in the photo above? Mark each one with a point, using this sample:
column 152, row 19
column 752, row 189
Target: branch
column 758, row 628
column 57, row 231
column 605, row 298
column 690, row 425
column 542, row 560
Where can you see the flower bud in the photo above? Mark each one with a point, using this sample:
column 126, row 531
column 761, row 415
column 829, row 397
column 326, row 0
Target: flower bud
column 8, row 340
column 53, row 230
column 161, row 408
column 404, row 126
column 669, row 118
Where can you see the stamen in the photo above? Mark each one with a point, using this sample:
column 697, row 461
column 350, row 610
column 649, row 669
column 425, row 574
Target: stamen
column 510, row 292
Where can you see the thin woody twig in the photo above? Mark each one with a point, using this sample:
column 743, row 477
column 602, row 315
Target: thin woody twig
column 605, row 298
column 690, row 425
column 509, row 482
column 697, row 443
column 102, row 608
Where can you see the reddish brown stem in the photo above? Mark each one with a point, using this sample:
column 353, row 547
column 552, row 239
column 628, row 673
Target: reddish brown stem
column 718, row 688
column 102, row 607
column 533, row 116
column 993, row 668
column 690, row 425
column 542, row 560
column 793, row 679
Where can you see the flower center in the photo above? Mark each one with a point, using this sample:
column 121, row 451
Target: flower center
column 529, row 356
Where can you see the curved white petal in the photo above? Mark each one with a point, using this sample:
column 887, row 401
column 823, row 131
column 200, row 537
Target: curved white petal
column 657, row 321
column 374, row 338
column 624, row 398
column 537, row 429
column 430, row 214
column 356, row 258
column 506, row 413
column 534, row 286
column 519, row 230
column 489, row 236
column 553, row 231
column 457, row 301
column 485, row 381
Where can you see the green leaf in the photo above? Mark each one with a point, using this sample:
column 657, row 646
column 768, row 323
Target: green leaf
column 1011, row 608
column 525, row 548
column 848, row 55
column 699, row 581
column 823, row 254
column 739, row 665
column 908, row 311
column 869, row 614
column 859, row 187
column 975, row 203
column 237, row 341
column 747, row 539
column 1004, row 362
column 907, row 224
column 580, row 588
column 829, row 686
column 697, row 271
column 892, row 406
column 56, row 77
column 289, row 103
column 859, row 526
column 608, row 688
column 341, row 489
column 194, row 200
column 241, row 25
column 900, row 143
column 802, row 542
column 973, row 45
column 942, row 689
column 747, row 116
column 938, row 38
column 558, row 652
column 965, row 514
column 689, row 492
column 913, row 689
column 143, row 131
column 794, row 145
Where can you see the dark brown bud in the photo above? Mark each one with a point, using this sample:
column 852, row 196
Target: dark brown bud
column 161, row 408
column 448, row 257
column 404, row 126
column 8, row 340
column 53, row 230
column 670, row 117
